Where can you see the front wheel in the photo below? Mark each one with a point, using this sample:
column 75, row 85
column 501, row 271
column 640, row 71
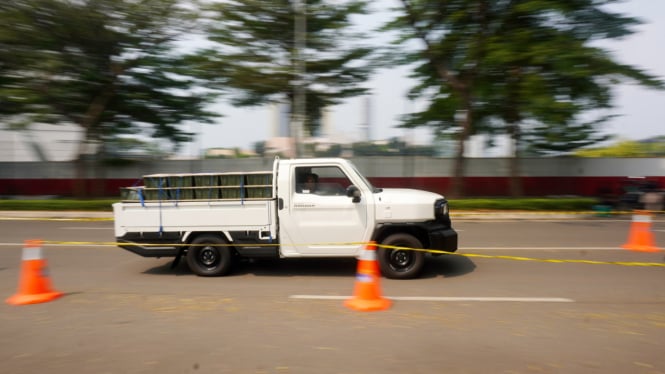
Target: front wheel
column 401, row 263
column 209, row 256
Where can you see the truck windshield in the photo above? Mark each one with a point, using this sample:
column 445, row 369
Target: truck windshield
column 367, row 183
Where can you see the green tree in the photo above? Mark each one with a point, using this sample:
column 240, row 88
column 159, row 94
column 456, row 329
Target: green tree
column 453, row 37
column 255, row 54
column 111, row 67
column 558, row 139
column 527, row 68
column 543, row 67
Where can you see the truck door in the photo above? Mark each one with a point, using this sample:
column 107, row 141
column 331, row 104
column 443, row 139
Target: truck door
column 317, row 218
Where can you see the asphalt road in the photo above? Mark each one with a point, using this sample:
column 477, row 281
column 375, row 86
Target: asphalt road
column 502, row 307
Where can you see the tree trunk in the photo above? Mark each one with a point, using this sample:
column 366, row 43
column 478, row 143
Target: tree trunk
column 89, row 123
column 457, row 185
column 516, row 189
column 460, row 160
column 79, row 189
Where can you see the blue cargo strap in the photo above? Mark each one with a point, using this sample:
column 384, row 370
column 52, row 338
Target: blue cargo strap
column 159, row 195
column 141, row 198
column 242, row 190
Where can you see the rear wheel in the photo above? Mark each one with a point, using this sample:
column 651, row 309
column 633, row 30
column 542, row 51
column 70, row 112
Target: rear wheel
column 401, row 263
column 209, row 256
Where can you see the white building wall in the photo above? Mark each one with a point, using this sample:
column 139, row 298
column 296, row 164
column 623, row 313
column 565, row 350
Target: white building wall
column 40, row 142
column 370, row 166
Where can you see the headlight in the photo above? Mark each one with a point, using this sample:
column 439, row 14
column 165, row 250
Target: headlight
column 440, row 208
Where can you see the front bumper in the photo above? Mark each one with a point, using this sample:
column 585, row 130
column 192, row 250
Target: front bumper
column 442, row 238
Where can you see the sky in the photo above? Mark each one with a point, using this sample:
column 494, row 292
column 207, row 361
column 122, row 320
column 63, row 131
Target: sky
column 640, row 111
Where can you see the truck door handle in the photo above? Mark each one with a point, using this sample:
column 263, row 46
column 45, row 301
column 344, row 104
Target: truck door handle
column 280, row 203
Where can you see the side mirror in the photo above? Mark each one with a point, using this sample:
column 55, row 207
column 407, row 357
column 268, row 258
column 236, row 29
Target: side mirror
column 354, row 192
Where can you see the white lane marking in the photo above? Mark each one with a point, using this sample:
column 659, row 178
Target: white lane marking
column 435, row 298
column 541, row 249
column 86, row 228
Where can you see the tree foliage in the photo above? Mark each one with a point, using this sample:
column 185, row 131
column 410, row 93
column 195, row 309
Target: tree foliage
column 111, row 67
column 453, row 36
column 254, row 53
column 527, row 68
column 542, row 66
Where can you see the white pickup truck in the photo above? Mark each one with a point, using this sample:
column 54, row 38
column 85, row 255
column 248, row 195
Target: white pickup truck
column 215, row 218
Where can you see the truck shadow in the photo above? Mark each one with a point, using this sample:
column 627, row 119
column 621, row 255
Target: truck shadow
column 441, row 266
column 316, row 267
column 447, row 266
column 322, row 267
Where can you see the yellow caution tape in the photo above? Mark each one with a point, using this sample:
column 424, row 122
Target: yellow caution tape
column 521, row 258
column 433, row 251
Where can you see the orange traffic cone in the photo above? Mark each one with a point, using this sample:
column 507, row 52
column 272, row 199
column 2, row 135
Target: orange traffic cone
column 34, row 283
column 367, row 293
column 640, row 237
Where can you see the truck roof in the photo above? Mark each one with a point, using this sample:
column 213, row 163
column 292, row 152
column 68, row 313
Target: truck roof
column 315, row 161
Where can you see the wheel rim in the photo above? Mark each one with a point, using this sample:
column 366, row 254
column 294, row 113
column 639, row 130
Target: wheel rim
column 209, row 256
column 400, row 260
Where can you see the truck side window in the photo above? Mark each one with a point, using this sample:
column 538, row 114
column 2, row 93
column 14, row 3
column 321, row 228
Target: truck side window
column 321, row 180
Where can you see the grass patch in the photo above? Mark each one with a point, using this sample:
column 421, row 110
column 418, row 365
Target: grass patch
column 526, row 204
column 98, row 205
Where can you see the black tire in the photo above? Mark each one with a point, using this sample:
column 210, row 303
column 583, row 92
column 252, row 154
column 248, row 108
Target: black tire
column 401, row 263
column 209, row 256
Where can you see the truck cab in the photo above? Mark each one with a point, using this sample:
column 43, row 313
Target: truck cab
column 345, row 211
